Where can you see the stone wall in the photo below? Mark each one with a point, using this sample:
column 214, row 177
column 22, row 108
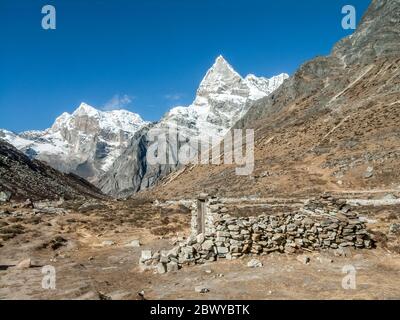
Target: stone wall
column 323, row 223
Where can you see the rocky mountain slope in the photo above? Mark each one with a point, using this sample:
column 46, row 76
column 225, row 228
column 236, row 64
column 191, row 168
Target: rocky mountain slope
column 22, row 178
column 333, row 126
column 222, row 99
column 85, row 142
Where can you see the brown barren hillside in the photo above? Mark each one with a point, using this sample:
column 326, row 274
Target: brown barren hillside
column 22, row 178
column 333, row 126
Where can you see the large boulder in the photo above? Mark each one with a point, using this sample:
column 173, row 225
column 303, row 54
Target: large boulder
column 5, row 196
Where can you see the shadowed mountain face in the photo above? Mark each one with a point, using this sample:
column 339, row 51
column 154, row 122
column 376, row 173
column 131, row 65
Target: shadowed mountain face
column 23, row 178
column 332, row 126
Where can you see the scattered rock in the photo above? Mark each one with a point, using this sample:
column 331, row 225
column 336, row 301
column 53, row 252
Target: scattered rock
column 325, row 260
column 156, row 256
column 172, row 266
column 103, row 296
column 290, row 249
column 203, row 196
column 346, row 208
column 24, row 264
column 369, row 173
column 389, row 197
column 207, row 245
column 163, row 257
column 118, row 295
column 161, row 268
column 394, row 229
column 254, row 263
column 107, row 243
column 4, row 213
column 222, row 250
column 303, row 259
column 5, row 196
column 90, row 206
column 91, row 295
column 146, row 255
column 200, row 238
column 133, row 244
column 28, row 204
column 141, row 295
column 200, row 289
column 224, row 210
column 174, row 252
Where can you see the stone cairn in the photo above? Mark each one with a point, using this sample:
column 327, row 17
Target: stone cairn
column 323, row 223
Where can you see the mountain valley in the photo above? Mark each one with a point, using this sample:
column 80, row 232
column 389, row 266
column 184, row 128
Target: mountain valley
column 322, row 205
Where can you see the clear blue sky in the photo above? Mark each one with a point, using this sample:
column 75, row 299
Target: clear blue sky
column 153, row 51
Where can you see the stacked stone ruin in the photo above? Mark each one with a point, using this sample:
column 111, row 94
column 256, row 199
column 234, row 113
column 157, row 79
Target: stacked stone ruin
column 323, row 223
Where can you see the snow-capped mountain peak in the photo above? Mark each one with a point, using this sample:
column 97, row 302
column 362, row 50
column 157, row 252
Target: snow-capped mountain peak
column 60, row 121
column 221, row 81
column 222, row 98
column 110, row 121
column 85, row 142
column 260, row 87
column 222, row 67
column 85, row 109
column 122, row 119
column 219, row 78
column 95, row 143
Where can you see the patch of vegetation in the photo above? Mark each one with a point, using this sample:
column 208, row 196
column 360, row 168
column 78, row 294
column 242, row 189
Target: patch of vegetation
column 16, row 229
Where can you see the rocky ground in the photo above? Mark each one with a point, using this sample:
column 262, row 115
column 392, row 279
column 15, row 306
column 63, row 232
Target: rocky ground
column 94, row 251
column 331, row 127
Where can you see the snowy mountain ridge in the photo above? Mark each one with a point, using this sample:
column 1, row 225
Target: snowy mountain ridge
column 107, row 147
column 223, row 97
column 85, row 142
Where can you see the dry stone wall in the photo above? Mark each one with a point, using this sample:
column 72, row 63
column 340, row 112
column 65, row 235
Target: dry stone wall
column 324, row 223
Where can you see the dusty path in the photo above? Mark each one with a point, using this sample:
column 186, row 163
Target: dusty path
column 113, row 273
column 95, row 262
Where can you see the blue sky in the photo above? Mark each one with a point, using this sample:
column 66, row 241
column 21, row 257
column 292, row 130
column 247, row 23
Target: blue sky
column 149, row 55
